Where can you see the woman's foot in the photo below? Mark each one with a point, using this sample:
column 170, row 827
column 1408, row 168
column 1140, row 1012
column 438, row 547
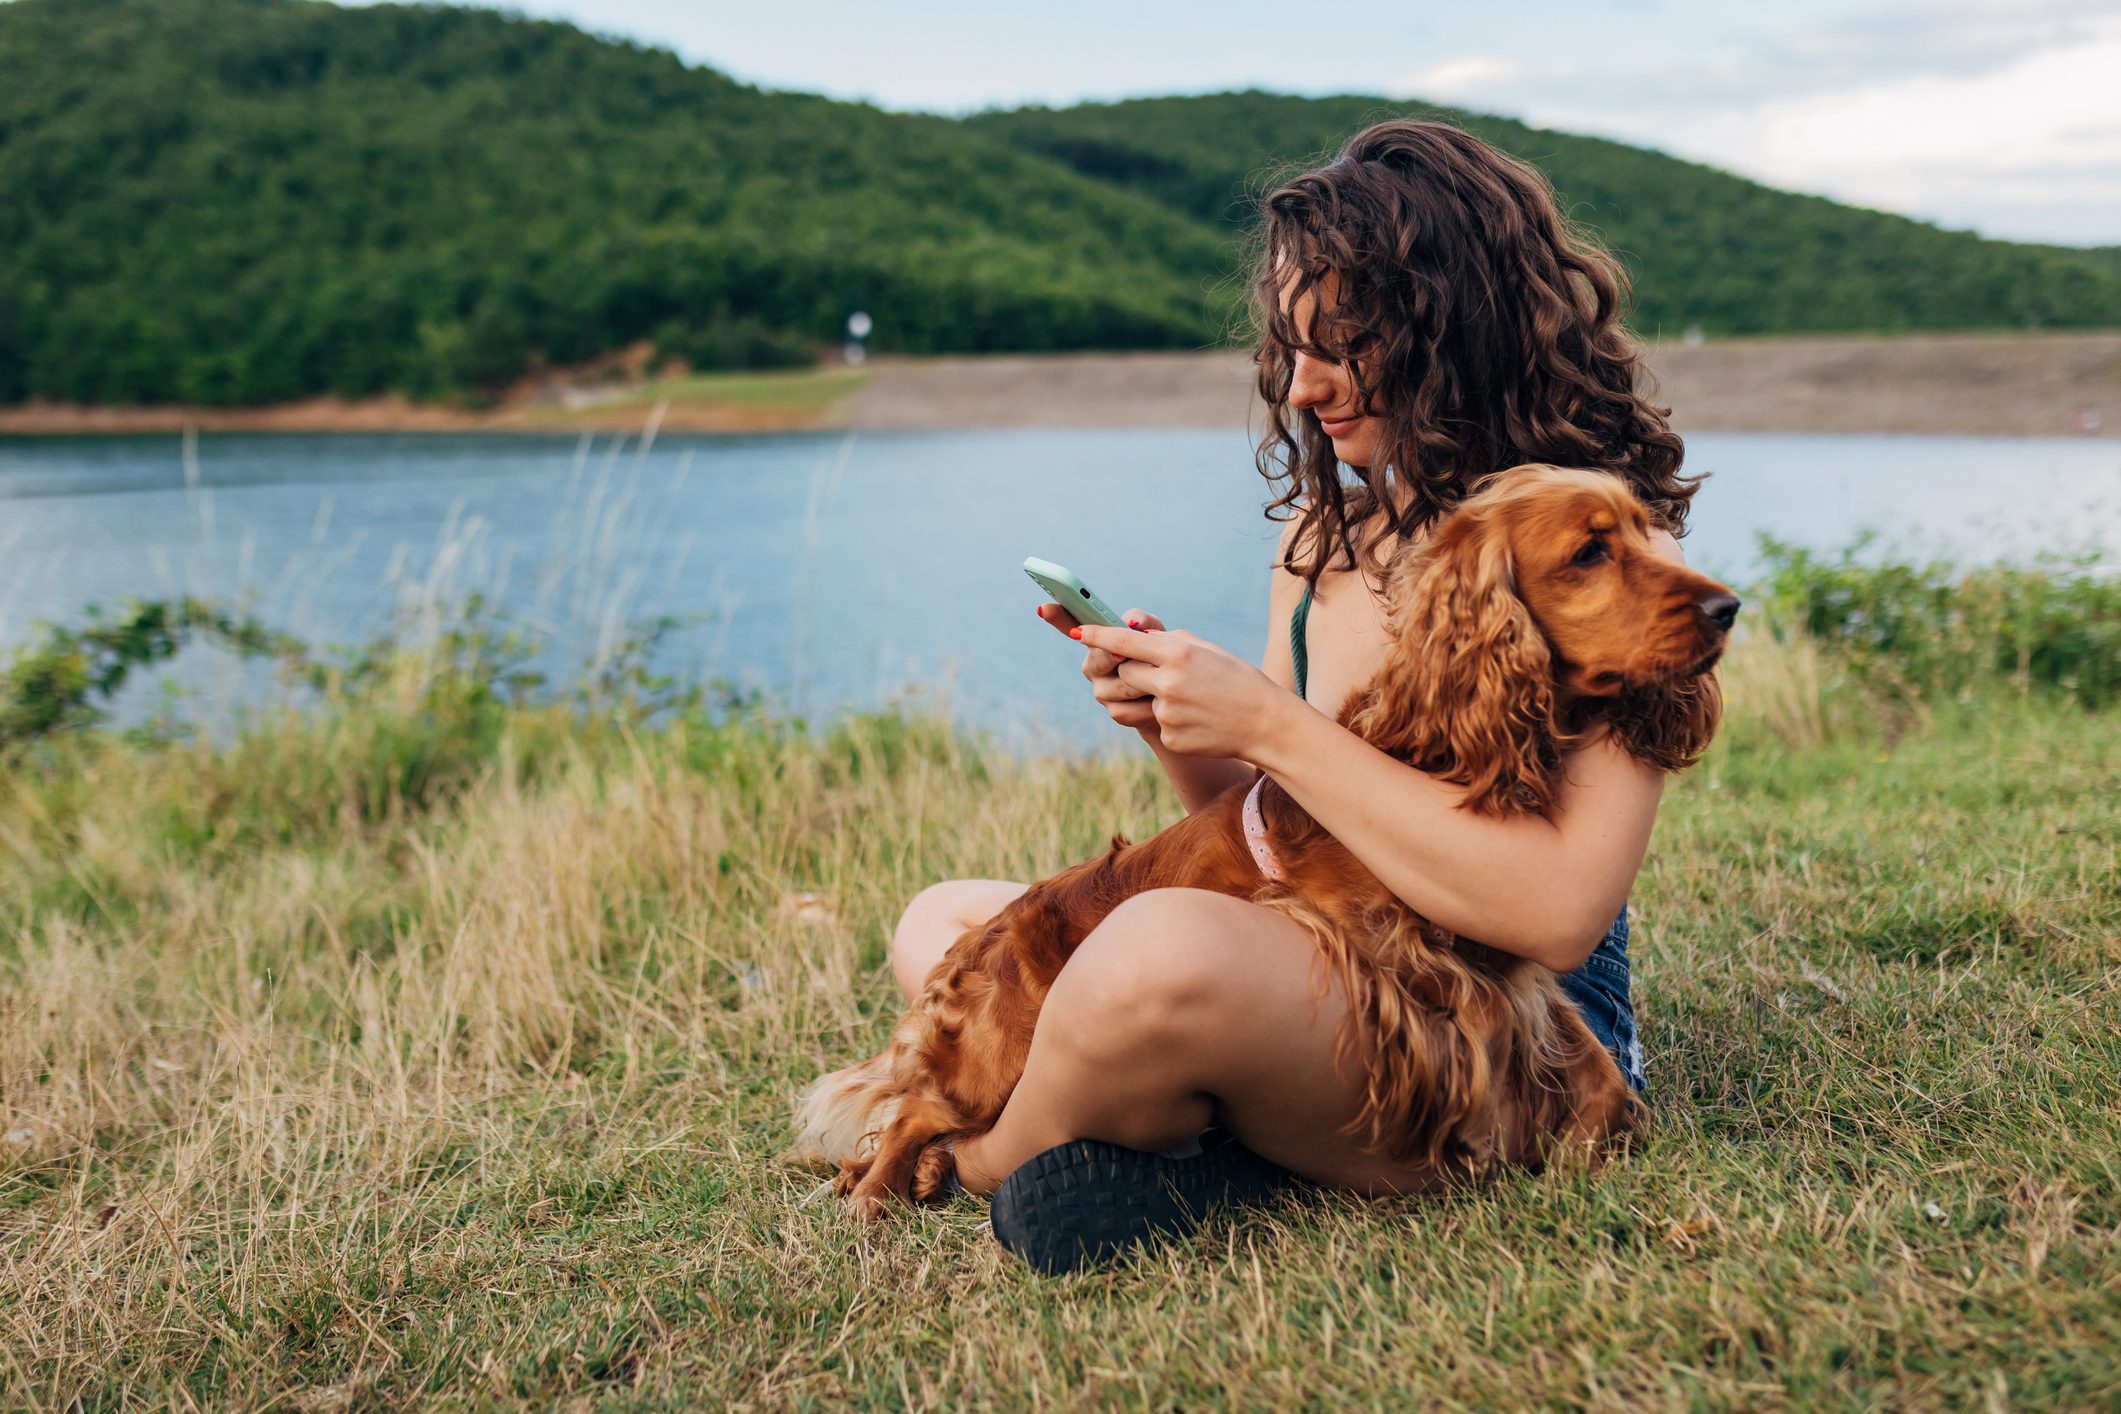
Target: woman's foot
column 1086, row 1202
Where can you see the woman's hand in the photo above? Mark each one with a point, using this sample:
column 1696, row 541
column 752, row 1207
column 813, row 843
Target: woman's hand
column 1128, row 706
column 1198, row 778
column 1205, row 700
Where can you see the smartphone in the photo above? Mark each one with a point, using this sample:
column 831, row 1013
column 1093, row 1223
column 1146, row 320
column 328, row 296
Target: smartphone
column 1071, row 593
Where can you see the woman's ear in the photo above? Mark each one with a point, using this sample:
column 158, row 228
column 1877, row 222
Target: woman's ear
column 1467, row 689
column 1669, row 725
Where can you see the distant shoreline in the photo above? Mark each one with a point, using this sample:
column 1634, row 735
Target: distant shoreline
column 1949, row 384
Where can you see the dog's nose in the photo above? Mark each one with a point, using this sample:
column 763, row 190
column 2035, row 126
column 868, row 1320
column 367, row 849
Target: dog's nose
column 1720, row 609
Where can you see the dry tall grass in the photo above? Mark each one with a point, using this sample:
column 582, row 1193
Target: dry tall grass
column 329, row 1082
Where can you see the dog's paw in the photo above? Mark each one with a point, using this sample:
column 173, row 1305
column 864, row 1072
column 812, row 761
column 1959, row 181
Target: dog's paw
column 871, row 1189
column 935, row 1175
column 851, row 1174
column 868, row 1196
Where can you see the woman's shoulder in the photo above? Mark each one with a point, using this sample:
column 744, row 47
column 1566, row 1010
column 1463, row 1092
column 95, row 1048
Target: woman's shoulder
column 1286, row 586
column 1301, row 539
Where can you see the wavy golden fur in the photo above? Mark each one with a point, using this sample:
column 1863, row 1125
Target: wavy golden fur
column 1537, row 614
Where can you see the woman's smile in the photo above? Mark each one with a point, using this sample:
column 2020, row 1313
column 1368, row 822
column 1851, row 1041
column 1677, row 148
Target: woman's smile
column 1355, row 438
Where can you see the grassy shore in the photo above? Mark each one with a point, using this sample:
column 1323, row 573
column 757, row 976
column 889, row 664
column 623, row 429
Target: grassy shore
column 434, row 1047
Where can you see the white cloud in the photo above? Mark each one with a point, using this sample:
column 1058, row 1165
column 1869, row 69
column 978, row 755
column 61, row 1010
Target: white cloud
column 1946, row 39
column 2057, row 102
column 2006, row 117
column 1460, row 78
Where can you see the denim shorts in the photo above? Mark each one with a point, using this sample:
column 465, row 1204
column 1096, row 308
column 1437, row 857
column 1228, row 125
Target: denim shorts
column 1600, row 990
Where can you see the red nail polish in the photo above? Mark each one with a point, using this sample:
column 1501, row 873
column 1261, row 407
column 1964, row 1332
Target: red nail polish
column 1134, row 623
column 1075, row 633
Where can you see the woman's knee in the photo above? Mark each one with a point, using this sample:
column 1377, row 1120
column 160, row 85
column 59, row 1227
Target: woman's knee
column 933, row 920
column 1147, row 980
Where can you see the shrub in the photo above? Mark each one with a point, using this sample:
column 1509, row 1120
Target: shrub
column 1939, row 631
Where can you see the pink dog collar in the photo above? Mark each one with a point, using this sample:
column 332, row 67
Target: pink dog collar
column 1256, row 834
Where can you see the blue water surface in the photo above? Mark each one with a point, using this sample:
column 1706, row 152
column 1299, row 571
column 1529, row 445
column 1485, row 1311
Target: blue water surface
column 849, row 569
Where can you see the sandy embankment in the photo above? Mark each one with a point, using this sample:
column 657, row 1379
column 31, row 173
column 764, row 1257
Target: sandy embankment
column 2031, row 384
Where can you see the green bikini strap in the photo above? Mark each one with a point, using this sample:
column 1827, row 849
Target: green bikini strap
column 1297, row 651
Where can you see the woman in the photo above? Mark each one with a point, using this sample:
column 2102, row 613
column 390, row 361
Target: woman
column 1427, row 317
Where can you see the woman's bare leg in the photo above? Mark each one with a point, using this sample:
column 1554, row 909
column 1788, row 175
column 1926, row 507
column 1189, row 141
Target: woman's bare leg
column 1184, row 1007
column 935, row 919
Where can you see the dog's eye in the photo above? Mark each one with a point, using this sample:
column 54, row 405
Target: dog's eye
column 1592, row 552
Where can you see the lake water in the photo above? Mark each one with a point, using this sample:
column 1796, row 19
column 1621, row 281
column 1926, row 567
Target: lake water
column 835, row 569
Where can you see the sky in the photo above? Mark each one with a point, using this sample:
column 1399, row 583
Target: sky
column 2001, row 116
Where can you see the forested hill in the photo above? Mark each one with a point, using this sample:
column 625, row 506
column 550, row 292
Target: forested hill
column 1706, row 248
column 244, row 201
column 232, row 201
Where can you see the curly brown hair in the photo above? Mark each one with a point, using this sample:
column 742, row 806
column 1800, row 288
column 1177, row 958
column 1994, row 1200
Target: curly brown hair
column 1482, row 327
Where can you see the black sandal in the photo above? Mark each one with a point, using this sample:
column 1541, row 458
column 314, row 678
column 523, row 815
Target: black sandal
column 1085, row 1202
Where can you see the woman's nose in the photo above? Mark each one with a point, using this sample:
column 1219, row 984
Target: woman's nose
column 1309, row 382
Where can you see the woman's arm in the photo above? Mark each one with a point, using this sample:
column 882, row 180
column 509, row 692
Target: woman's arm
column 1543, row 888
column 1197, row 779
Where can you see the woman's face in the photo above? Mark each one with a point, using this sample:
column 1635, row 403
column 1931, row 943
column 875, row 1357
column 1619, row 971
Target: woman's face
column 1327, row 390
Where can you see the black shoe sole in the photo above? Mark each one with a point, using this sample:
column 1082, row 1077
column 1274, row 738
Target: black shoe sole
column 1085, row 1202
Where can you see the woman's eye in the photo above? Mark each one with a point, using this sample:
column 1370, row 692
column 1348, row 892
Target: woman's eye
column 1589, row 555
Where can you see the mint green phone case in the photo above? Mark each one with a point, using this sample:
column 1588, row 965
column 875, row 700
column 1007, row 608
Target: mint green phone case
column 1070, row 593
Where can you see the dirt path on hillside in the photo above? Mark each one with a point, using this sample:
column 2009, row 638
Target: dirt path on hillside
column 2033, row 384
column 2018, row 385
column 2039, row 385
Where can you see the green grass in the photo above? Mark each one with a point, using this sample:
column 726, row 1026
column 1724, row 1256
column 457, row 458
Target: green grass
column 435, row 1048
column 807, row 390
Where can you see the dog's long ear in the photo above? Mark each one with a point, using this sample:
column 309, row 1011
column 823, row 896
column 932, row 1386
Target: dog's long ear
column 1668, row 726
column 1467, row 689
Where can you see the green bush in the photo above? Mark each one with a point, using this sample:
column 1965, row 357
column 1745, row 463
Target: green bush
column 1936, row 630
column 62, row 681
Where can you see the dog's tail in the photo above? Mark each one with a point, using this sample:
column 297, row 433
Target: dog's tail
column 840, row 1116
